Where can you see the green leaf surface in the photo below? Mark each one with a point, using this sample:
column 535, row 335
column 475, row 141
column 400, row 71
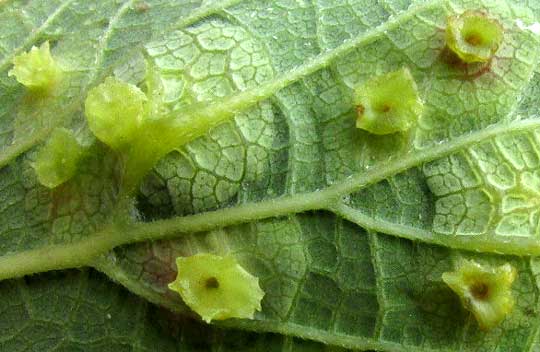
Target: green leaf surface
column 347, row 232
column 84, row 311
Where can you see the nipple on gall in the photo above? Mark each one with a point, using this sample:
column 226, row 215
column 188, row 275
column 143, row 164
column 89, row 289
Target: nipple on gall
column 217, row 287
column 473, row 36
column 57, row 161
column 36, row 69
column 388, row 103
column 114, row 111
column 142, row 7
column 483, row 290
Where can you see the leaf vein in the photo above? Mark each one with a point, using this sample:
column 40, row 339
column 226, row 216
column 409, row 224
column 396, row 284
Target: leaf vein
column 34, row 35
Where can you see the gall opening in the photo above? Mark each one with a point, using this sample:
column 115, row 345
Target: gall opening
column 211, row 283
column 480, row 290
column 473, row 36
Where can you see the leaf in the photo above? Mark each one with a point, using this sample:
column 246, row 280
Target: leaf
column 348, row 233
column 101, row 316
column 328, row 280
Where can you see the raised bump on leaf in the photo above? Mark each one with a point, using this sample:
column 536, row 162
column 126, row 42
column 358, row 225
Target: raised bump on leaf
column 142, row 6
column 485, row 291
column 217, row 287
column 36, row 69
column 473, row 37
column 114, row 111
column 388, row 103
column 58, row 160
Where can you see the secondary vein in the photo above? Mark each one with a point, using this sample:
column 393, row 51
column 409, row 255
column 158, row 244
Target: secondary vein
column 228, row 107
column 328, row 198
column 10, row 153
column 82, row 253
column 34, row 34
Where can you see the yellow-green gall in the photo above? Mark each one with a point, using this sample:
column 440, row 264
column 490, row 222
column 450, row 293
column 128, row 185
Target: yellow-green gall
column 114, row 111
column 484, row 290
column 217, row 287
column 473, row 36
column 36, row 69
column 388, row 103
column 58, row 160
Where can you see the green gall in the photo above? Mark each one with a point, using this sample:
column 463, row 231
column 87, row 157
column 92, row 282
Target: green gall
column 114, row 111
column 36, row 69
column 388, row 103
column 58, row 160
column 484, row 291
column 217, row 287
column 473, row 37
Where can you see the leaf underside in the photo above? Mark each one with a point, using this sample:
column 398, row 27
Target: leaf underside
column 347, row 232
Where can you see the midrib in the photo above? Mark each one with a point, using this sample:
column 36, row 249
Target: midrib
column 82, row 252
